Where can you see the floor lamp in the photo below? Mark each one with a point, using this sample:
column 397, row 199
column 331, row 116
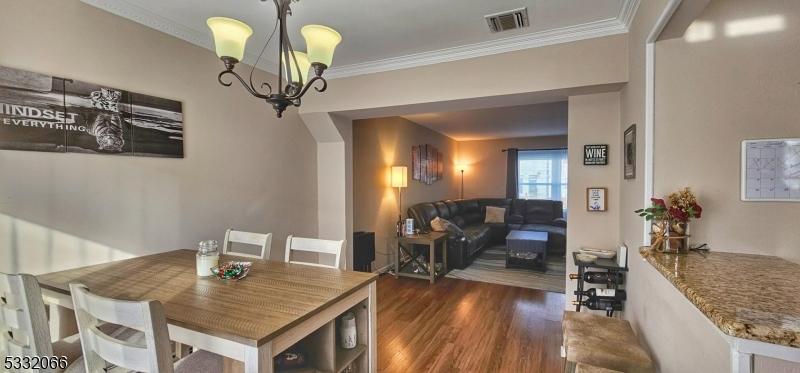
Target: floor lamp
column 399, row 181
column 461, row 168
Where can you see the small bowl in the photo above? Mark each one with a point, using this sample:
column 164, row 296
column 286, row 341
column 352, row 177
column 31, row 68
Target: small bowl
column 586, row 258
column 232, row 270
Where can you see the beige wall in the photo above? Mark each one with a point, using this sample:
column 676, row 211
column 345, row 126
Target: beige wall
column 557, row 66
column 593, row 119
column 379, row 144
column 710, row 96
column 243, row 167
column 485, row 174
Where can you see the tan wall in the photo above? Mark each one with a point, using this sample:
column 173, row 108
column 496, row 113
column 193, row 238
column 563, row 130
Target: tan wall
column 243, row 167
column 710, row 96
column 593, row 119
column 547, row 68
column 379, row 144
column 485, row 174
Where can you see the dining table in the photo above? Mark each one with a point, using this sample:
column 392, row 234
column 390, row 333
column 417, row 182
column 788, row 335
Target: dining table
column 248, row 321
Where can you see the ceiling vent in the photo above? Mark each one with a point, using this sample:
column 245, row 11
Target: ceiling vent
column 508, row 20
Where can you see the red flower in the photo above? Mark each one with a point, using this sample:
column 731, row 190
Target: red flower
column 698, row 211
column 658, row 202
column 678, row 214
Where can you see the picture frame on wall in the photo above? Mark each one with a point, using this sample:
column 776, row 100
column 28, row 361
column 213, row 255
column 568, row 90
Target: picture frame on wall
column 629, row 141
column 596, row 199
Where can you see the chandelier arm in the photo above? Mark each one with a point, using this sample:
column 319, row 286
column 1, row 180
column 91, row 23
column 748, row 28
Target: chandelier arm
column 250, row 89
column 308, row 86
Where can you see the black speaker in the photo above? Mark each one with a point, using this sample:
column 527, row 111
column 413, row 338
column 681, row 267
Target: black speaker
column 363, row 251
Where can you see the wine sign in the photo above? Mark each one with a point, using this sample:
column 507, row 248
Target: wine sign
column 49, row 114
column 595, row 155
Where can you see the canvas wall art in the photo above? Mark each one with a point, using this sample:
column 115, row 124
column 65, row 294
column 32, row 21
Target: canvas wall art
column 427, row 164
column 45, row 113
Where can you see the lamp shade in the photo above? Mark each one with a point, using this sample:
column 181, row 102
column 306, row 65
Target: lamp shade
column 230, row 36
column 302, row 61
column 399, row 176
column 321, row 41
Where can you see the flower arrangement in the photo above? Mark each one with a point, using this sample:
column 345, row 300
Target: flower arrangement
column 683, row 206
column 670, row 221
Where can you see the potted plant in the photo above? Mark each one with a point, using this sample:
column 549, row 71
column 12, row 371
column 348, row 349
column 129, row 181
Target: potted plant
column 683, row 207
column 669, row 229
column 656, row 214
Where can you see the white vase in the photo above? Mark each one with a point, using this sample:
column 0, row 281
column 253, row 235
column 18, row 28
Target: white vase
column 347, row 331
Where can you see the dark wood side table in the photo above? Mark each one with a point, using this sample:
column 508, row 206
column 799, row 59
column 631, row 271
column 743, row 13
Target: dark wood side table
column 405, row 244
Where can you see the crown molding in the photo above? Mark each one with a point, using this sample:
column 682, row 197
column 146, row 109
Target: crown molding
column 608, row 27
column 538, row 39
column 627, row 12
column 168, row 26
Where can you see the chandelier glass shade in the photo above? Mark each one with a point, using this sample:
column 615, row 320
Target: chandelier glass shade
column 230, row 39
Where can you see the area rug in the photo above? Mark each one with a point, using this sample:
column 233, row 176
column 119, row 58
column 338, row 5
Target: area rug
column 490, row 266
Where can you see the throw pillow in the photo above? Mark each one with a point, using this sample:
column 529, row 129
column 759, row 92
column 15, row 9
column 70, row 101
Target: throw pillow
column 495, row 214
column 438, row 224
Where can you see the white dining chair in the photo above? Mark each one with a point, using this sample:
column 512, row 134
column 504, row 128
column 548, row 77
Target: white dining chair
column 148, row 351
column 23, row 322
column 314, row 245
column 255, row 239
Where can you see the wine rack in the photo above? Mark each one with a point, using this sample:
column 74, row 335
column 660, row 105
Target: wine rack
column 615, row 278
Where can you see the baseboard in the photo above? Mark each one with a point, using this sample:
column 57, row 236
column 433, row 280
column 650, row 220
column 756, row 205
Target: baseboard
column 383, row 269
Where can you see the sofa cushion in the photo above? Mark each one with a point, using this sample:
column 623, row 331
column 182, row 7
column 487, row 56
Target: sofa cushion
column 453, row 206
column 495, row 214
column 459, row 221
column 442, row 209
column 473, row 218
column 423, row 213
column 468, row 206
column 476, row 231
column 538, row 212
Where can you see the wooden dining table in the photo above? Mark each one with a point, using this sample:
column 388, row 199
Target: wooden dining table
column 251, row 320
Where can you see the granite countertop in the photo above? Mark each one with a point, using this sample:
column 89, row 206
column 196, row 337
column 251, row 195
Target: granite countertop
column 746, row 296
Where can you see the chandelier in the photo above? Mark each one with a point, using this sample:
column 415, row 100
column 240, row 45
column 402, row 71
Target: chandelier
column 230, row 37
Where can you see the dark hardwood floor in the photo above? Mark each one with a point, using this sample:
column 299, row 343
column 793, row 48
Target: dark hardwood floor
column 466, row 326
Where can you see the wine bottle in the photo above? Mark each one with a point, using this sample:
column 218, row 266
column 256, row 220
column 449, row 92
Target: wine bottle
column 399, row 228
column 600, row 304
column 611, row 294
column 600, row 277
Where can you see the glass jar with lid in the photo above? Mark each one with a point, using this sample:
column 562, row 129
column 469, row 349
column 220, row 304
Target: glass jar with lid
column 207, row 257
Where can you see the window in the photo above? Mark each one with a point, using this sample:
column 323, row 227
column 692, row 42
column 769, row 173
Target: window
column 543, row 175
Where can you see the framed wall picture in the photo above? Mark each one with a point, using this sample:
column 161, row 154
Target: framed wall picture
column 595, row 155
column 596, row 200
column 629, row 141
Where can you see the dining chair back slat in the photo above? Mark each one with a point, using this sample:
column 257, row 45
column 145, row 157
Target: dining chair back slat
column 255, row 239
column 314, row 245
column 23, row 318
column 153, row 355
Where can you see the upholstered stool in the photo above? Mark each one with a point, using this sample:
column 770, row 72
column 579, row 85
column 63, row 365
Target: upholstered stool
column 586, row 368
column 603, row 342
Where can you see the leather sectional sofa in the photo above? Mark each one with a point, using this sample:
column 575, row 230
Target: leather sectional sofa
column 470, row 214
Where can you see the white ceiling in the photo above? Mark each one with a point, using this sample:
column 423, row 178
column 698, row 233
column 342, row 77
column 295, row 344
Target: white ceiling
column 548, row 119
column 381, row 35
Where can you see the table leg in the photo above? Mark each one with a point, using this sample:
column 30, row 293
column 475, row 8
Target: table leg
column 432, row 259
column 62, row 322
column 258, row 359
column 397, row 261
column 444, row 256
column 373, row 328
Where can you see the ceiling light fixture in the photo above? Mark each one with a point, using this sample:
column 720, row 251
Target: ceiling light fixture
column 230, row 38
